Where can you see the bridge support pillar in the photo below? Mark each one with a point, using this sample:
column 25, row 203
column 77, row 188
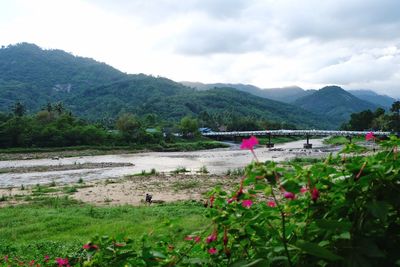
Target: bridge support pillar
column 237, row 139
column 269, row 144
column 307, row 145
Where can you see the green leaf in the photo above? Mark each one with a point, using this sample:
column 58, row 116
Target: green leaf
column 379, row 209
column 334, row 225
column 258, row 262
column 318, row 251
column 345, row 235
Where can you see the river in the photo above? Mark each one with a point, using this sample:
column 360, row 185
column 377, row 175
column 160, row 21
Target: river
column 217, row 161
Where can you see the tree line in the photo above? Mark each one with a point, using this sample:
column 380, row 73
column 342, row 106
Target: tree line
column 378, row 120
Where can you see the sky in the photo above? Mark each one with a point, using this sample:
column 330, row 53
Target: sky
column 268, row 43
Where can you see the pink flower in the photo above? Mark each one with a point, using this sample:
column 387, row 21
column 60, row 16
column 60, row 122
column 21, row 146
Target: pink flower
column 304, row 189
column 6, row 258
column 212, row 251
column 369, row 136
column 90, row 246
column 315, row 194
column 249, row 143
column 271, row 204
column 188, row 238
column 211, row 238
column 62, row 262
column 289, row 195
column 32, row 262
column 230, row 200
column 46, row 258
column 212, row 198
column 247, row 203
column 197, row 239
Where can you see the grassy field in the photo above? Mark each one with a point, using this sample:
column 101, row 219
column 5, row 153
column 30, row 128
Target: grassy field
column 59, row 226
column 341, row 140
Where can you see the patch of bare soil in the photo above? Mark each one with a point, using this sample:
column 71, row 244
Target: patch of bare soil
column 163, row 188
column 130, row 190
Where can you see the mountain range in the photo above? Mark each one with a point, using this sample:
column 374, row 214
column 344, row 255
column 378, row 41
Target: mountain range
column 97, row 91
column 331, row 101
column 291, row 93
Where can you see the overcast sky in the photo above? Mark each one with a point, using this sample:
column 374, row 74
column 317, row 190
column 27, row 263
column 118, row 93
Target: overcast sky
column 310, row 43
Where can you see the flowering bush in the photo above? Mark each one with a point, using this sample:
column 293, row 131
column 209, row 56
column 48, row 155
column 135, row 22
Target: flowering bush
column 343, row 211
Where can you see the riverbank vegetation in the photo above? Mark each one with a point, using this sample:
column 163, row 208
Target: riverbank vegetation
column 342, row 140
column 378, row 120
column 280, row 139
column 54, row 129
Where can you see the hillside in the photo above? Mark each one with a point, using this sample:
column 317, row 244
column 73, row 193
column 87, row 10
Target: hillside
column 284, row 94
column 372, row 97
column 334, row 102
column 142, row 94
column 36, row 76
column 98, row 92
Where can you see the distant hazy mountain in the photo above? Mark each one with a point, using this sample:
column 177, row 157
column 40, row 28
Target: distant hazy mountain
column 97, row 91
column 284, row 94
column 334, row 102
column 370, row 96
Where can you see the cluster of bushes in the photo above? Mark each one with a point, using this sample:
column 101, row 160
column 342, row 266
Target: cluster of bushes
column 54, row 127
column 343, row 211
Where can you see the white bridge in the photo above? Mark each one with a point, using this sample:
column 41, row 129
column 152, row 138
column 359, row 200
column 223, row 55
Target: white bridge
column 296, row 132
column 306, row 133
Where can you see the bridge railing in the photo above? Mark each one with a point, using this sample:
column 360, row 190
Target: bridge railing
column 296, row 132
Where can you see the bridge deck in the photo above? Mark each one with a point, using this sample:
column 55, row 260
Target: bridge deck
column 295, row 132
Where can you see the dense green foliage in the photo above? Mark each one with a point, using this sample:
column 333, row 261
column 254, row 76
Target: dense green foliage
column 55, row 127
column 334, row 102
column 284, row 94
column 98, row 92
column 378, row 120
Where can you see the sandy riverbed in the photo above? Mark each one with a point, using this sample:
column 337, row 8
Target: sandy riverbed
column 217, row 161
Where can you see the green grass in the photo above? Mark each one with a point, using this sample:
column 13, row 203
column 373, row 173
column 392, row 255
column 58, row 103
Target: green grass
column 305, row 161
column 342, row 140
column 58, row 226
column 185, row 185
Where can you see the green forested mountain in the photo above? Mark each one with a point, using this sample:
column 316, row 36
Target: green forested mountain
column 35, row 76
column 99, row 92
column 285, row 94
column 170, row 100
column 333, row 102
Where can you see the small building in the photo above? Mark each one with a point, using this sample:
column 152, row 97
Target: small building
column 205, row 130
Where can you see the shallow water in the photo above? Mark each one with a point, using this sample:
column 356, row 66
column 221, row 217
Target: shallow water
column 217, row 161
